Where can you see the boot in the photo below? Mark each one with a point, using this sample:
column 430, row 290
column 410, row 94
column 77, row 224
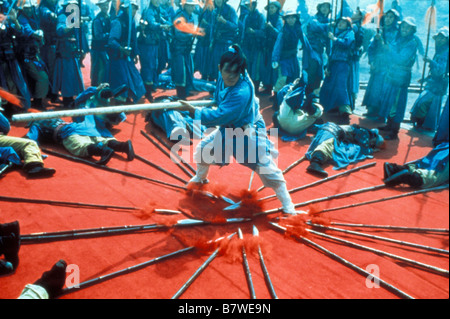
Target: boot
column 404, row 177
column 53, row 280
column 9, row 228
column 10, row 248
column 37, row 170
column 148, row 92
column 181, row 92
column 6, row 268
column 101, row 150
column 390, row 169
column 314, row 168
column 123, row 147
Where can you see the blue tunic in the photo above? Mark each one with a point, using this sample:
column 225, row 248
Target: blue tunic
column 430, row 100
column 268, row 75
column 182, row 62
column 402, row 55
column 202, row 54
column 222, row 35
column 335, row 91
column 442, row 130
column 123, row 71
column 286, row 50
column 253, row 42
column 67, row 77
column 237, row 108
column 436, row 159
column 7, row 154
column 101, row 27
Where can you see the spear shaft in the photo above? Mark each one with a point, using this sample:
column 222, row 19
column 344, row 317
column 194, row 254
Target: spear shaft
column 198, row 272
column 146, row 161
column 327, row 179
column 390, row 240
column 384, row 199
column 317, row 200
column 110, row 169
column 399, row 228
column 27, row 117
column 247, row 271
column 348, row 264
column 431, row 11
column 63, row 203
column 148, row 137
column 264, row 268
column 128, row 270
column 383, row 253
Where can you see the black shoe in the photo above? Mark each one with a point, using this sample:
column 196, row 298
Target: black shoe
column 11, row 247
column 385, row 128
column 37, row 170
column 315, row 169
column 53, row 280
column 123, row 147
column 404, row 177
column 101, row 150
column 390, row 169
column 6, row 268
column 9, row 228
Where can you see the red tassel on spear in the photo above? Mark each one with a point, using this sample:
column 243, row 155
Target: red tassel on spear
column 11, row 98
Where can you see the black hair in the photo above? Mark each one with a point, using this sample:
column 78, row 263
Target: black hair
column 234, row 56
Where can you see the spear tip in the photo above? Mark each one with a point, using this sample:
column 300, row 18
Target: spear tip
column 255, row 231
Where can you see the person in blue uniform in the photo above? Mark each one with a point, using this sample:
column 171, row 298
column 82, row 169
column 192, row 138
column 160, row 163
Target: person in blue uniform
column 341, row 145
column 401, row 58
column 101, row 26
column 253, row 36
column 430, row 171
column 84, row 137
column 377, row 56
column 240, row 129
column 202, row 59
column 11, row 76
column 426, row 110
column 67, row 77
column 274, row 24
column 151, row 34
column 182, row 64
column 317, row 34
column 28, row 50
column 21, row 152
column 335, row 91
column 285, row 53
column 224, row 30
column 441, row 134
column 124, row 54
column 48, row 19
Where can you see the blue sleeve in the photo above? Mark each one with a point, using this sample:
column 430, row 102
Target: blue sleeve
column 5, row 127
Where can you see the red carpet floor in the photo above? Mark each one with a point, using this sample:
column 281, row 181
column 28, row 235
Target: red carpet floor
column 298, row 270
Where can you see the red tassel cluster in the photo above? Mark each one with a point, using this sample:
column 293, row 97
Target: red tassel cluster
column 11, row 98
column 250, row 205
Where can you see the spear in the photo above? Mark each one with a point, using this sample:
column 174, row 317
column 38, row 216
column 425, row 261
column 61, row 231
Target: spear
column 63, row 203
column 166, row 153
column 425, row 190
column 431, row 15
column 382, row 253
column 395, row 228
column 347, row 263
column 128, row 270
column 146, row 161
column 199, row 271
column 390, row 240
column 263, row 266
column 27, row 117
column 327, row 179
column 313, row 201
column 36, row 238
column 110, row 169
column 5, row 168
column 178, row 157
column 247, row 267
